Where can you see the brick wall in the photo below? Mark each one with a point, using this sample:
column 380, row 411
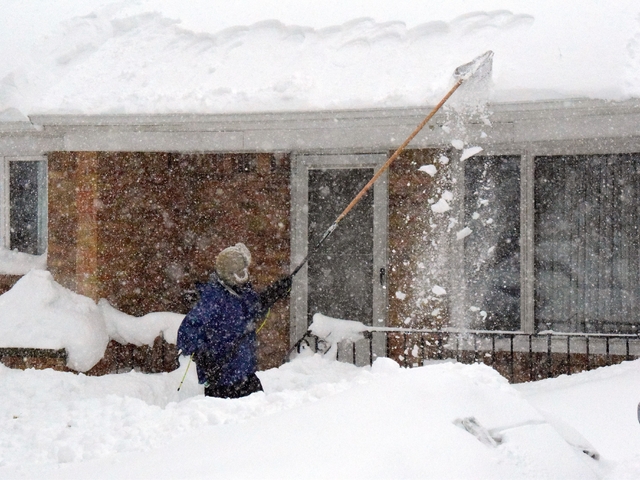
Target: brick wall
column 7, row 281
column 63, row 218
column 410, row 247
column 157, row 221
column 410, row 238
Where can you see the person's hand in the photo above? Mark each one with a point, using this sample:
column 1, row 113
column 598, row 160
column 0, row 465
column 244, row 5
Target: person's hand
column 284, row 284
column 277, row 290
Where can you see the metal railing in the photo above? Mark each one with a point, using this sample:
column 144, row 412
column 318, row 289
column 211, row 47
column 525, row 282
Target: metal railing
column 517, row 355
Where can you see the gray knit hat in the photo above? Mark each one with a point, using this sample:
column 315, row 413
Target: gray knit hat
column 232, row 264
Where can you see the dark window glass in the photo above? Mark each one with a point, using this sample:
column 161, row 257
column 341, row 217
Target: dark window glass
column 25, row 200
column 341, row 274
column 492, row 250
column 587, row 258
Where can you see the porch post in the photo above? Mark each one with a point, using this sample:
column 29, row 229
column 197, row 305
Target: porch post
column 527, row 244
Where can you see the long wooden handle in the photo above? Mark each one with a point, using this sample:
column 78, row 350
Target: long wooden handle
column 382, row 169
column 397, row 153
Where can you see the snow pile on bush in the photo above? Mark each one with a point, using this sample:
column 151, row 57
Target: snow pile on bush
column 143, row 330
column 13, row 262
column 39, row 313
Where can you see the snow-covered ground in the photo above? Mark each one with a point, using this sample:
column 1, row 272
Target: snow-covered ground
column 317, row 418
column 322, row 419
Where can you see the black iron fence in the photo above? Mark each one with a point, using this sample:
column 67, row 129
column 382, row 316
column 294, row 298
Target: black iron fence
column 518, row 356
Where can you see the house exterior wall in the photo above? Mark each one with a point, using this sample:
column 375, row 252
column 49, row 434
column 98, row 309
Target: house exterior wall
column 63, row 217
column 140, row 194
column 141, row 229
column 8, row 281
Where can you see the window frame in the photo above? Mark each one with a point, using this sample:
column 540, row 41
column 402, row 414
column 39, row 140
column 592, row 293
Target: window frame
column 302, row 163
column 527, row 157
column 528, row 152
column 459, row 301
column 5, row 202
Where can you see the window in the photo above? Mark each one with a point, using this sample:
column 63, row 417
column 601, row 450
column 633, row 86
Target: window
column 492, row 250
column 469, row 270
column 23, row 204
column 587, row 245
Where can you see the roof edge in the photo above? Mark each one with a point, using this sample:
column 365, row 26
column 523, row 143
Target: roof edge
column 577, row 106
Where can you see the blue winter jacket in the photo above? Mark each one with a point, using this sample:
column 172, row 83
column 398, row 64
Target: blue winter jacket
column 211, row 331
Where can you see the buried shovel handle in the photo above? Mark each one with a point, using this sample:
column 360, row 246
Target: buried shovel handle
column 185, row 372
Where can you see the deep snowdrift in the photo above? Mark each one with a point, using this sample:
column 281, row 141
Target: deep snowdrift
column 317, row 419
column 168, row 56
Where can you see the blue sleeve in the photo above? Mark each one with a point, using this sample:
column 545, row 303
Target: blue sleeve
column 200, row 330
column 190, row 333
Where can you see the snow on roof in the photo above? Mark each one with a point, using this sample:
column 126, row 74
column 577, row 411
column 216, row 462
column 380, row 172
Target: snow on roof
column 167, row 56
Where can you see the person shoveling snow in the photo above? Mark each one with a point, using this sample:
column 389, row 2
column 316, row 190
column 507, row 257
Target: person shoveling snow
column 220, row 331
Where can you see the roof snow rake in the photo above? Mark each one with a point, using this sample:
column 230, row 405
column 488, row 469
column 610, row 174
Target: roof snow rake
column 480, row 65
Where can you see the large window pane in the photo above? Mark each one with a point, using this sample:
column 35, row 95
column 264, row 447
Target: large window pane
column 492, row 250
column 586, row 243
column 341, row 275
column 27, row 215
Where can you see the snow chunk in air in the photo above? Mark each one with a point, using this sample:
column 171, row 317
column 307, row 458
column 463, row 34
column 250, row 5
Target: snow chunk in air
column 470, row 152
column 438, row 290
column 440, row 206
column 457, row 144
column 465, row 232
column 429, row 169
